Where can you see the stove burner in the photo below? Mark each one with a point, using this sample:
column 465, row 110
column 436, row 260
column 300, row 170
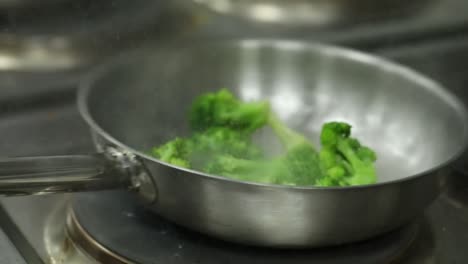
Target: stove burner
column 112, row 228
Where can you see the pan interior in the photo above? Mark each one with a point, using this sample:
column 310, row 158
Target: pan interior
column 411, row 122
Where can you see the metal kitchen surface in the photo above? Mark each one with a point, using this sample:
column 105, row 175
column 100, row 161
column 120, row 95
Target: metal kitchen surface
column 79, row 228
column 421, row 20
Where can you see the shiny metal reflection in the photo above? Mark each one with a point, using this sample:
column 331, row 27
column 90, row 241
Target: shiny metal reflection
column 312, row 12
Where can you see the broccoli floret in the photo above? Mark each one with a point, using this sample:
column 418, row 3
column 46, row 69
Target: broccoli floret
column 175, row 152
column 345, row 160
column 293, row 168
column 301, row 157
column 201, row 147
column 302, row 164
column 223, row 109
column 263, row 171
column 299, row 165
column 221, row 143
column 334, row 170
column 217, row 141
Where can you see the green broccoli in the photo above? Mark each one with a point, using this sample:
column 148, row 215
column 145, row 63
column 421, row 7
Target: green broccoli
column 217, row 141
column 301, row 158
column 175, row 152
column 345, row 160
column 201, row 147
column 221, row 143
column 260, row 170
column 223, row 109
column 299, row 165
column 334, row 170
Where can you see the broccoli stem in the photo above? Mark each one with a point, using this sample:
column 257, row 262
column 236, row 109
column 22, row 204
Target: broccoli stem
column 246, row 170
column 347, row 151
column 287, row 136
column 363, row 172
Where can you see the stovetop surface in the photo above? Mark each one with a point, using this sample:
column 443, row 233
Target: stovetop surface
column 115, row 220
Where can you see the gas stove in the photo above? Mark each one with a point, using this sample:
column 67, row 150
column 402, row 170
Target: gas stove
column 107, row 227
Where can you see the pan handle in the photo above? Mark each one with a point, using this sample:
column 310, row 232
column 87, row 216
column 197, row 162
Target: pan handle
column 58, row 174
column 113, row 169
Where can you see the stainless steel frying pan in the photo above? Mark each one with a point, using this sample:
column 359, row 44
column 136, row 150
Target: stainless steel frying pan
column 141, row 100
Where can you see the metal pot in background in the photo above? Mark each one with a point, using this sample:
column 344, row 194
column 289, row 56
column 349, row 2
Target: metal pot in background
column 50, row 45
column 312, row 12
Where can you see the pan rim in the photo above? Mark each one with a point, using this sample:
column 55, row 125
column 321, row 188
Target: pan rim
column 87, row 84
